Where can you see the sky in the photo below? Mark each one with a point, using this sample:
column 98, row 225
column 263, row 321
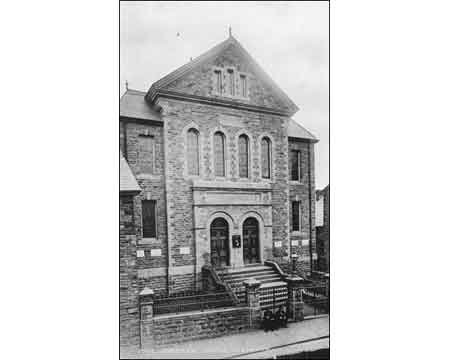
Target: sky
column 289, row 40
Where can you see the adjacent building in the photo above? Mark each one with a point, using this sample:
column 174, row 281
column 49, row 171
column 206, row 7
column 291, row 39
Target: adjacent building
column 323, row 229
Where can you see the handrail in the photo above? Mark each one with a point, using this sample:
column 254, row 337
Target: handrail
column 277, row 268
column 218, row 281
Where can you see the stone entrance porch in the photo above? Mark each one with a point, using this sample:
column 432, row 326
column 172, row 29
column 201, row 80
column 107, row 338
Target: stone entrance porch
column 234, row 202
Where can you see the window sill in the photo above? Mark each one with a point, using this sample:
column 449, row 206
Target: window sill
column 230, row 97
column 145, row 241
column 296, row 182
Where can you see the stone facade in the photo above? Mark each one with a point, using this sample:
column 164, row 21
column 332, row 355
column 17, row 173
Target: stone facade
column 186, row 205
column 129, row 288
column 323, row 229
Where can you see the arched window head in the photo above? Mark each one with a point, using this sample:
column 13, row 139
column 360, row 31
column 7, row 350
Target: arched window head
column 192, row 152
column 266, row 149
column 219, row 154
column 243, row 156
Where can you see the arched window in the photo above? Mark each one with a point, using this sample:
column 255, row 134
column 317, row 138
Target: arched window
column 266, row 149
column 219, row 154
column 192, row 152
column 243, row 156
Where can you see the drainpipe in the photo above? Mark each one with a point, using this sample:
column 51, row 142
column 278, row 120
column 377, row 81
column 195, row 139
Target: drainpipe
column 310, row 210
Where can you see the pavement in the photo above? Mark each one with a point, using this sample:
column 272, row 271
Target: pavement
column 308, row 335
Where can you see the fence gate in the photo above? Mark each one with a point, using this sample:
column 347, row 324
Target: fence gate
column 271, row 298
column 315, row 297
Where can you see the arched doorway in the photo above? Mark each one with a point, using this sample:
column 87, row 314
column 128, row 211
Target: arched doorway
column 250, row 236
column 219, row 243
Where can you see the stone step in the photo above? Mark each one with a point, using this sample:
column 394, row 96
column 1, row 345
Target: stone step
column 244, row 269
column 248, row 274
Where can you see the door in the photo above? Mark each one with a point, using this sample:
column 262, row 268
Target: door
column 250, row 238
column 219, row 243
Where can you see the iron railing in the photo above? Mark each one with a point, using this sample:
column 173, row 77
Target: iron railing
column 273, row 297
column 191, row 301
column 315, row 296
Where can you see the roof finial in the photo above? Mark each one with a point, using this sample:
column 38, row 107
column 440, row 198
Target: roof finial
column 229, row 31
column 126, row 84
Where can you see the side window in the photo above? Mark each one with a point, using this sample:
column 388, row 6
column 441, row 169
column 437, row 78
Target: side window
column 295, row 164
column 193, row 152
column 266, row 149
column 243, row 156
column 296, row 216
column 148, row 218
column 219, row 154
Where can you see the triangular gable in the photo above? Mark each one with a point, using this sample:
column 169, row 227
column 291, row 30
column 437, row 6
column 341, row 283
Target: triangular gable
column 280, row 99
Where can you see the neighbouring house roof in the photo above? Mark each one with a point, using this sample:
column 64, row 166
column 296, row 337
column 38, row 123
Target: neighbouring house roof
column 213, row 52
column 128, row 182
column 133, row 105
column 295, row 130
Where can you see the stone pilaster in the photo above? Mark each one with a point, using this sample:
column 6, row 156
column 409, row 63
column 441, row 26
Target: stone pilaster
column 146, row 297
column 252, row 292
column 295, row 301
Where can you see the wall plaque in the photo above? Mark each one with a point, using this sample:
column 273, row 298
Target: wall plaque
column 185, row 250
column 140, row 253
column 294, row 242
column 155, row 252
column 236, row 239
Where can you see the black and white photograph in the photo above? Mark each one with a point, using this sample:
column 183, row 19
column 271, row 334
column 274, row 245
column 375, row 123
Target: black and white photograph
column 224, row 180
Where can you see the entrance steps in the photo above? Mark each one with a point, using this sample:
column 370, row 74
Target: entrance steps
column 273, row 290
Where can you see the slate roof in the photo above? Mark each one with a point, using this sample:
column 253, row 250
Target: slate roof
column 133, row 105
column 211, row 54
column 128, row 182
column 295, row 130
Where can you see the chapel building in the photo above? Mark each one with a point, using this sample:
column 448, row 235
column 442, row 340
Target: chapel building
column 214, row 172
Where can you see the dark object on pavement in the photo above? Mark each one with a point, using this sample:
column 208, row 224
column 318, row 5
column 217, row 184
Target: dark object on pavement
column 281, row 317
column 266, row 323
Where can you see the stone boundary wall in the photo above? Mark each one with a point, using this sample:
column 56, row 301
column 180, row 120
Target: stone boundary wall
column 169, row 329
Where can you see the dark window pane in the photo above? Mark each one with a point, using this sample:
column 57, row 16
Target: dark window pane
column 219, row 155
column 192, row 152
column 145, row 154
column 265, row 161
column 148, row 218
column 296, row 216
column 294, row 164
column 243, row 156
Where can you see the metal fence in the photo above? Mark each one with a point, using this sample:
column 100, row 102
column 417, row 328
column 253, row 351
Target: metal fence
column 191, row 301
column 315, row 298
column 273, row 297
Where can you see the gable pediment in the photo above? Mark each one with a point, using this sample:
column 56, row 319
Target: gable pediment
column 228, row 74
